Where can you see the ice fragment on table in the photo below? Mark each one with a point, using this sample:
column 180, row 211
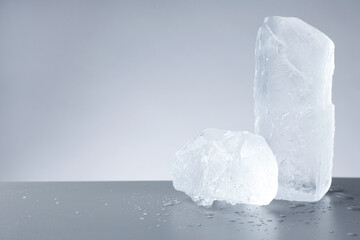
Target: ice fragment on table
column 293, row 107
column 236, row 167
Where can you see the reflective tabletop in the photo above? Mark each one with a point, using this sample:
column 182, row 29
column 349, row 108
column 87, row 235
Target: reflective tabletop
column 155, row 210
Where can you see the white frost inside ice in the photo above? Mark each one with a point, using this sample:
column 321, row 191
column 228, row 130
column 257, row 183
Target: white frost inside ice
column 236, row 167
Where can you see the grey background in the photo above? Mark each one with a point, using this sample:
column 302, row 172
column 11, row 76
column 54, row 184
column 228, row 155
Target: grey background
column 109, row 90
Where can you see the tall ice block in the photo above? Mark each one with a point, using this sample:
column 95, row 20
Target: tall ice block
column 293, row 108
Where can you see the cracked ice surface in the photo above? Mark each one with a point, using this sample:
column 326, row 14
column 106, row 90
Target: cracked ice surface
column 236, row 167
column 293, row 108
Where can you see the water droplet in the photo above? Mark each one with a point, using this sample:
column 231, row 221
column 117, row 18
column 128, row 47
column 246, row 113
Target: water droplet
column 170, row 203
column 343, row 195
column 297, row 205
column 351, row 234
column 106, row 204
column 354, row 208
column 331, row 231
column 199, row 225
column 164, row 221
column 334, row 189
column 57, row 202
column 158, row 225
column 145, row 214
column 24, row 197
column 209, row 213
column 141, row 218
column 77, row 212
column 158, row 214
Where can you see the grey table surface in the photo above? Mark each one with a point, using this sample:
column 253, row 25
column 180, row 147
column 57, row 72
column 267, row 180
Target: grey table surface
column 154, row 210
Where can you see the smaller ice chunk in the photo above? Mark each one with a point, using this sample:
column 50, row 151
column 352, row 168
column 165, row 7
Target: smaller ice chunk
column 236, row 167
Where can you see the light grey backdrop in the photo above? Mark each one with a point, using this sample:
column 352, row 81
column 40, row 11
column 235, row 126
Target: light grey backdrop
column 109, row 90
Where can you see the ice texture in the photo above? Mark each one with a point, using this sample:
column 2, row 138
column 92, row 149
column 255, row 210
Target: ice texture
column 293, row 108
column 236, row 167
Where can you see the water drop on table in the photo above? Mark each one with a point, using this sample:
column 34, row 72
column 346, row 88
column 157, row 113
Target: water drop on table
column 297, row 205
column 343, row 195
column 168, row 204
column 354, row 208
column 335, row 189
column 351, row 234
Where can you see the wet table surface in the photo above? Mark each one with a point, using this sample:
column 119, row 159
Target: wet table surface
column 154, row 210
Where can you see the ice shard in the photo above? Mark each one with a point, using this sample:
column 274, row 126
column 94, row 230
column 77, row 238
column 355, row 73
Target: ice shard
column 236, row 167
column 293, row 107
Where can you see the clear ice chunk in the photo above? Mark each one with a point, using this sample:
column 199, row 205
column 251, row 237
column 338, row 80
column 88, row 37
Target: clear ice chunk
column 293, row 107
column 236, row 167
